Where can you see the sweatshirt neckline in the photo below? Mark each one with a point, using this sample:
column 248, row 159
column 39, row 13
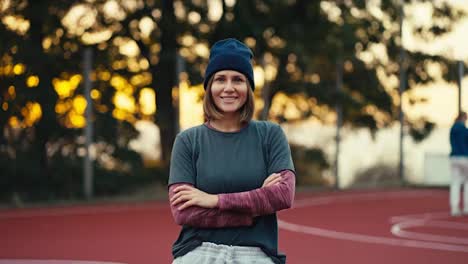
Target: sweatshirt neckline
column 227, row 133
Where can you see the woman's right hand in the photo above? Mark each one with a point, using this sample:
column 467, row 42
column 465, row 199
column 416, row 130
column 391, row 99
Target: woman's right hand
column 273, row 179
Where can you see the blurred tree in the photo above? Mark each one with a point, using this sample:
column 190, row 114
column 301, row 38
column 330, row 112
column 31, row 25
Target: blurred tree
column 363, row 39
column 29, row 98
column 41, row 146
column 310, row 164
column 379, row 41
column 141, row 47
column 299, row 56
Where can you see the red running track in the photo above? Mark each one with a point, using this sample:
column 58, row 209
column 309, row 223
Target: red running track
column 397, row 226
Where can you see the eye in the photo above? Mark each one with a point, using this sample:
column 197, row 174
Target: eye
column 219, row 79
column 238, row 79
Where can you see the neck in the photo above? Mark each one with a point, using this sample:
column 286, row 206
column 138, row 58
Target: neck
column 227, row 123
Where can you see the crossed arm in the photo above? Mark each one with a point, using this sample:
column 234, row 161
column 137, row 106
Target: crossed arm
column 194, row 207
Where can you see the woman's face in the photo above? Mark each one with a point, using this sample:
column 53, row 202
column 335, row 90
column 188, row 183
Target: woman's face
column 229, row 90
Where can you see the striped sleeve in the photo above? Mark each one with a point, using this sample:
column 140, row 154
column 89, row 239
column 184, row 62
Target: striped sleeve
column 262, row 201
column 207, row 218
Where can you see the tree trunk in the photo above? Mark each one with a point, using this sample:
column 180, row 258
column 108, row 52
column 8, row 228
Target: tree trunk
column 37, row 60
column 165, row 80
column 270, row 89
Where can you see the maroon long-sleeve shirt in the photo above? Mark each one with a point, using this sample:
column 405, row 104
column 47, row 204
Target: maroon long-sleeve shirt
column 238, row 209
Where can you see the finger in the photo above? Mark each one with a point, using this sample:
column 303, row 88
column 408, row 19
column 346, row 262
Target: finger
column 182, row 196
column 177, row 195
column 174, row 197
column 176, row 201
column 271, row 178
column 181, row 199
column 186, row 205
column 275, row 181
column 275, row 175
column 182, row 187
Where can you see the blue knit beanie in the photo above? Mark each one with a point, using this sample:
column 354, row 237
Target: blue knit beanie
column 230, row 54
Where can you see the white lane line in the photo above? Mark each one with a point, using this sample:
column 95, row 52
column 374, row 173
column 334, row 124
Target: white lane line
column 447, row 224
column 52, row 261
column 423, row 216
column 398, row 230
column 369, row 238
column 427, row 220
column 362, row 197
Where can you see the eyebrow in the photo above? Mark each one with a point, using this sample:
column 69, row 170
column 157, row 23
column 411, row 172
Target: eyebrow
column 234, row 75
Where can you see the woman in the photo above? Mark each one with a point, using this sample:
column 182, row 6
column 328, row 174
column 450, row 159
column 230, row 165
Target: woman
column 230, row 176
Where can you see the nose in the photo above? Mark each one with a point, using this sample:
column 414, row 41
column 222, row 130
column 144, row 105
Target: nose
column 229, row 86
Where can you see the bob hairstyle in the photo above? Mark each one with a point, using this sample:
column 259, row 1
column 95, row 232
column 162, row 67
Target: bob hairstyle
column 212, row 112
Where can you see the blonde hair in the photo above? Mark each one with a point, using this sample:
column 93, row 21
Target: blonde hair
column 212, row 112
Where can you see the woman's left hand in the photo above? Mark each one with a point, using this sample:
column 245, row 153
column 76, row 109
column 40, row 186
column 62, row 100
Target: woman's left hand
column 190, row 196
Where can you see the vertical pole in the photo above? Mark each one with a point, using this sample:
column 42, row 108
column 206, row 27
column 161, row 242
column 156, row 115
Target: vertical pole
column 339, row 120
column 459, row 81
column 403, row 62
column 88, row 162
column 180, row 68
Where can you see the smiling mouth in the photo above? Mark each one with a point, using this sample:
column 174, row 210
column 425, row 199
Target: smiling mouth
column 228, row 98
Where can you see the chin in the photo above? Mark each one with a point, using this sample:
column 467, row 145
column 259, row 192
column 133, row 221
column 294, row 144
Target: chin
column 229, row 110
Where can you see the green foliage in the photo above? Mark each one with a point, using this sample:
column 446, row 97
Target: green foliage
column 41, row 162
column 20, row 177
column 421, row 129
column 310, row 164
column 380, row 175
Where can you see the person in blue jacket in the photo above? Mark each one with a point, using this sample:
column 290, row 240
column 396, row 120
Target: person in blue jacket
column 459, row 164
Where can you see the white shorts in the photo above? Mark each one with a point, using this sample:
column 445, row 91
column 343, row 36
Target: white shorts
column 210, row 253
